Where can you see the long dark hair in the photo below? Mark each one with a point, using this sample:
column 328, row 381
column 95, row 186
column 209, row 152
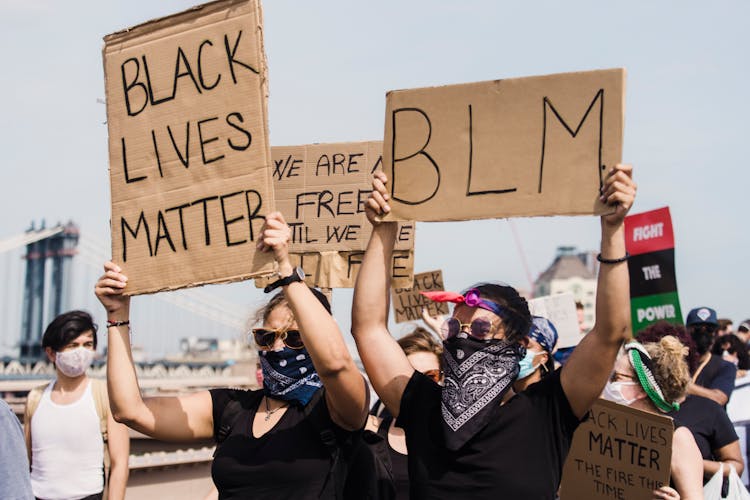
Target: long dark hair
column 736, row 345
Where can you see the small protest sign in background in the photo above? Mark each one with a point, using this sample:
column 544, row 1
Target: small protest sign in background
column 560, row 309
column 514, row 147
column 190, row 162
column 618, row 452
column 322, row 189
column 408, row 302
column 649, row 239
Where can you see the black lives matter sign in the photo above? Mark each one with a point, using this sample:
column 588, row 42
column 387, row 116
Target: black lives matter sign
column 409, row 302
column 190, row 163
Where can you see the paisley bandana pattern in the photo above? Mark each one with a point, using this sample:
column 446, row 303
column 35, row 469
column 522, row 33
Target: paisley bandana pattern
column 477, row 376
column 289, row 375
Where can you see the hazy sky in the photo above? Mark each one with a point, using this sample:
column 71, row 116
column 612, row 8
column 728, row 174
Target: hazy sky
column 331, row 63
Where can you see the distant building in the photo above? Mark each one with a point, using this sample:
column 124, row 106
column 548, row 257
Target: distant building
column 575, row 272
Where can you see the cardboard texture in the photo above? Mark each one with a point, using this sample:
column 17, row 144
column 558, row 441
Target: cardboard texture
column 190, row 162
column 321, row 189
column 516, row 147
column 560, row 309
column 339, row 269
column 619, row 452
column 408, row 302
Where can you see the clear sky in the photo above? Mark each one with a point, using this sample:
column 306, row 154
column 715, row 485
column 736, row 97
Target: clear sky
column 331, row 63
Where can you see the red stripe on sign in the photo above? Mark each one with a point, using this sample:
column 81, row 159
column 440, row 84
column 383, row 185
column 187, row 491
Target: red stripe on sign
column 649, row 232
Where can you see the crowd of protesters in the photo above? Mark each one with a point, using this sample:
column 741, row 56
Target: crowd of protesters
column 481, row 408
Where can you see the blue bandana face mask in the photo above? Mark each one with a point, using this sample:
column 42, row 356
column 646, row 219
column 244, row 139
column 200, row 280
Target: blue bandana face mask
column 289, row 375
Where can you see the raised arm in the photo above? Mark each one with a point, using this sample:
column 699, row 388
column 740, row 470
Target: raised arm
column 346, row 390
column 180, row 418
column 584, row 375
column 386, row 364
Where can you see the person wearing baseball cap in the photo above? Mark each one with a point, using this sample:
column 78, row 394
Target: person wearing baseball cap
column 714, row 377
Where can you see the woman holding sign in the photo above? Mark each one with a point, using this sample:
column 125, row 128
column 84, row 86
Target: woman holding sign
column 284, row 441
column 654, row 377
column 474, row 436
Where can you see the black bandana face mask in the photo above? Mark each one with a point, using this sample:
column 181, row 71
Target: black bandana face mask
column 477, row 376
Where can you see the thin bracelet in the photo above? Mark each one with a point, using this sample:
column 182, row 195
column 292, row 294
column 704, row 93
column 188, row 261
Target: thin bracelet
column 118, row 323
column 612, row 261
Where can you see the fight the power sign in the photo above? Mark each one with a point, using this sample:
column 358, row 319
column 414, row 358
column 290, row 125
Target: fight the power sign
column 649, row 239
column 189, row 158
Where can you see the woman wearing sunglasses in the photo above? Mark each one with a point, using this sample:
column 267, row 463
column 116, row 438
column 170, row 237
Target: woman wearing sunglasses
column 270, row 441
column 474, row 436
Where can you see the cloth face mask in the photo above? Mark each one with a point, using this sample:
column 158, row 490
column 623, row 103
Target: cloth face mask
column 74, row 362
column 477, row 376
column 289, row 375
column 613, row 392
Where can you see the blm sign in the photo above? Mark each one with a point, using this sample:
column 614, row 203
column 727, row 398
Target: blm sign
column 653, row 287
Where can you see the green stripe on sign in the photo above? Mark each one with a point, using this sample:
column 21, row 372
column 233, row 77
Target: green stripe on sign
column 648, row 310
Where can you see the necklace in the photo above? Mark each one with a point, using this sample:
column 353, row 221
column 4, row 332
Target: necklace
column 269, row 411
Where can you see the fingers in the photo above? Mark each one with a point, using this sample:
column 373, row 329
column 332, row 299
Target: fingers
column 275, row 233
column 665, row 492
column 112, row 282
column 618, row 187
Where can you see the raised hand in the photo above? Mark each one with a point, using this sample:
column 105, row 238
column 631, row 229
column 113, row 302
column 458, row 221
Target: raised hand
column 619, row 191
column 275, row 236
column 377, row 203
column 109, row 290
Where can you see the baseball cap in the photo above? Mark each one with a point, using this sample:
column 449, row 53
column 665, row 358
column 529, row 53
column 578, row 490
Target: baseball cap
column 701, row 315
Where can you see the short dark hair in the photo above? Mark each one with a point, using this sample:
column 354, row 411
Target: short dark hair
column 516, row 317
column 67, row 327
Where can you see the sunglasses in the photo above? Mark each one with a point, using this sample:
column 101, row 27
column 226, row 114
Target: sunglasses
column 436, row 375
column 266, row 338
column 479, row 329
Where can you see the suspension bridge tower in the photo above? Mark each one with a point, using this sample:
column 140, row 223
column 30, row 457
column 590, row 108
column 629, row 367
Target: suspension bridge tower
column 49, row 255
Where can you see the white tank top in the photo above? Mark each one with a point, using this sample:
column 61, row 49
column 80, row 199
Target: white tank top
column 67, row 451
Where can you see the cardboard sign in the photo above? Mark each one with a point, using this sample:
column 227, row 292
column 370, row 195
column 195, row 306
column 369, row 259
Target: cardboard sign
column 408, row 302
column 517, row 147
column 618, row 453
column 560, row 309
column 649, row 239
column 340, row 269
column 190, row 163
column 322, row 188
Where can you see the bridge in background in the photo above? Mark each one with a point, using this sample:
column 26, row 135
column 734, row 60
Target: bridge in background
column 45, row 271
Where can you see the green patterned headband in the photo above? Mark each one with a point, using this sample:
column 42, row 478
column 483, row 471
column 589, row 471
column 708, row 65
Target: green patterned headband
column 643, row 367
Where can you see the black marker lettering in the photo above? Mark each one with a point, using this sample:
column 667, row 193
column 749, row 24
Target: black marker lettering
column 420, row 152
column 124, row 225
column 200, row 67
column 207, row 141
column 246, row 133
column 127, row 87
column 231, row 57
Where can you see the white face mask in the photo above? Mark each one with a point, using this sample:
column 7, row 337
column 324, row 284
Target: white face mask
column 613, row 392
column 75, row 362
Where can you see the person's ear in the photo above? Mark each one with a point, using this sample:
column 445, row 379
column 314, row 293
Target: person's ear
column 50, row 354
column 524, row 342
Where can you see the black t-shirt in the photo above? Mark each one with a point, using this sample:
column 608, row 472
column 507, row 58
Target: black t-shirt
column 718, row 374
column 399, row 462
column 289, row 461
column 708, row 422
column 518, row 455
